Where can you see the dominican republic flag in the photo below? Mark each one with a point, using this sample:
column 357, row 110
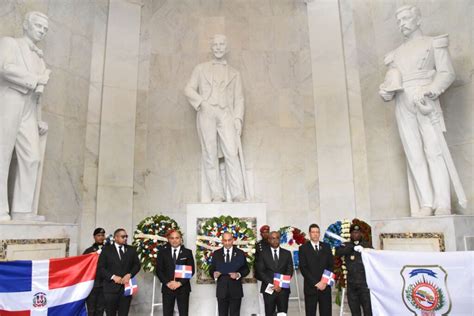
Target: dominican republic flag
column 131, row 288
column 420, row 283
column 183, row 272
column 328, row 277
column 282, row 280
column 55, row 287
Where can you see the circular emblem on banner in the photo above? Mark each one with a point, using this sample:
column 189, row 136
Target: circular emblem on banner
column 39, row 300
column 425, row 296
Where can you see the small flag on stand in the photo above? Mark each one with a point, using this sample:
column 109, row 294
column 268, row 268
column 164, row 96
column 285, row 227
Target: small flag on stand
column 183, row 272
column 282, row 280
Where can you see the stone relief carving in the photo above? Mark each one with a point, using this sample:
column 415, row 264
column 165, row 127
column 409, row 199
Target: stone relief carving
column 23, row 77
column 419, row 71
column 215, row 92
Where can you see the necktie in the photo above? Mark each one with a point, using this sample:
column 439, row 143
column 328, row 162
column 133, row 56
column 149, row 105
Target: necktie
column 316, row 248
column 227, row 256
column 121, row 252
column 174, row 255
column 275, row 257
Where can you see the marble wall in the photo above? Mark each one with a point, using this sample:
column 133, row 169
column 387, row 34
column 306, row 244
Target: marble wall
column 67, row 49
column 370, row 31
column 270, row 46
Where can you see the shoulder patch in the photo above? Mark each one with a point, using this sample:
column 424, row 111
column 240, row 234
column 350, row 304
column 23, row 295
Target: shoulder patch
column 441, row 41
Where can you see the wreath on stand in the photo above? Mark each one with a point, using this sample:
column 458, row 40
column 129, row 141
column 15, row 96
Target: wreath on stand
column 335, row 235
column 209, row 239
column 150, row 236
column 291, row 238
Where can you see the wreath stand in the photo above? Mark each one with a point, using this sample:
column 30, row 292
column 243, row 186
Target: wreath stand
column 153, row 303
column 297, row 297
column 342, row 301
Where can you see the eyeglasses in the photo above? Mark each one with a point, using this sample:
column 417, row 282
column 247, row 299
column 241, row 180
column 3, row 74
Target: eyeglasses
column 124, row 236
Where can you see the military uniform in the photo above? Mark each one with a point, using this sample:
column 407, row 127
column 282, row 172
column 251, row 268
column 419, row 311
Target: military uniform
column 259, row 247
column 358, row 294
column 423, row 63
column 95, row 301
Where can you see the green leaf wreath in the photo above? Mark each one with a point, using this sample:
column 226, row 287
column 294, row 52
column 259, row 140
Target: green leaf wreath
column 209, row 237
column 150, row 236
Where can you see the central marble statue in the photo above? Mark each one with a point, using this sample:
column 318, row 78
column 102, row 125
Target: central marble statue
column 215, row 92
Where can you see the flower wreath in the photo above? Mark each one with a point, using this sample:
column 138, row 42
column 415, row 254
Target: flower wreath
column 334, row 236
column 150, row 236
column 291, row 238
column 209, row 239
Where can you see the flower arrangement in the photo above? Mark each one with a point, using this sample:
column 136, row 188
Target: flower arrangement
column 209, row 239
column 150, row 236
column 335, row 235
column 291, row 238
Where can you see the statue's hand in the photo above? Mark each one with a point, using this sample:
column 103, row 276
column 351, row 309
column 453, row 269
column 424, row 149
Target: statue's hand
column 238, row 126
column 44, row 78
column 42, row 127
column 421, row 103
column 386, row 95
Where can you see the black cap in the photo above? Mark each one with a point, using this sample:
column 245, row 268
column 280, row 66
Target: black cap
column 99, row 230
column 354, row 228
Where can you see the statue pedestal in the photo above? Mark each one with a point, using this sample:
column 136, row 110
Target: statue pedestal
column 28, row 240
column 203, row 299
column 419, row 233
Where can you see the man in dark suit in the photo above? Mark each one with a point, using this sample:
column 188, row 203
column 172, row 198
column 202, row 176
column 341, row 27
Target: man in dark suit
column 315, row 257
column 172, row 289
column 95, row 301
column 228, row 268
column 118, row 263
column 273, row 260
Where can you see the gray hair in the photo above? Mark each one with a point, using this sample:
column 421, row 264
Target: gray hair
column 31, row 14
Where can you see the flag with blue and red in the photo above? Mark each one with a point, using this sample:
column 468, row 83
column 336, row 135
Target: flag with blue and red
column 328, row 277
column 183, row 272
column 54, row 287
column 282, row 280
column 131, row 288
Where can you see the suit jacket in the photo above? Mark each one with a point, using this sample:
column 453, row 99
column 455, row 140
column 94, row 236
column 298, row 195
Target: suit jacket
column 226, row 286
column 266, row 267
column 312, row 265
column 199, row 88
column 110, row 264
column 165, row 268
column 20, row 68
column 95, row 247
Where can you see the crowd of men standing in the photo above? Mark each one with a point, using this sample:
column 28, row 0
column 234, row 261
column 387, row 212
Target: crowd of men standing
column 118, row 263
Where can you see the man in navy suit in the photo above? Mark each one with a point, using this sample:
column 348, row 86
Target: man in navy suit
column 118, row 263
column 173, row 289
column 315, row 257
column 228, row 268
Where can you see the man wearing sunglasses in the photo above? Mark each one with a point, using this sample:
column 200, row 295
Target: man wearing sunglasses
column 118, row 263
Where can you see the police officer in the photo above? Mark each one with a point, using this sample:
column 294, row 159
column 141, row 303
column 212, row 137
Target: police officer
column 95, row 301
column 358, row 294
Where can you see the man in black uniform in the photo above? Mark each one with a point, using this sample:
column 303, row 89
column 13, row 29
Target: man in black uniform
column 174, row 289
column 358, row 294
column 95, row 301
column 262, row 243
